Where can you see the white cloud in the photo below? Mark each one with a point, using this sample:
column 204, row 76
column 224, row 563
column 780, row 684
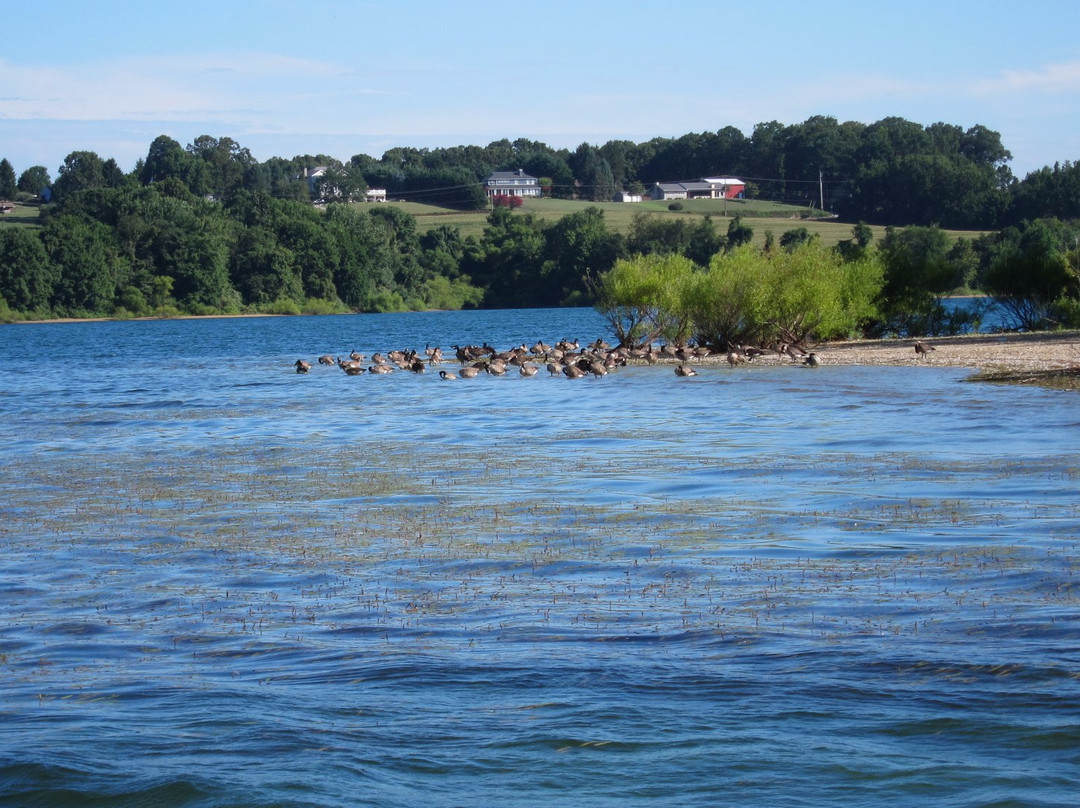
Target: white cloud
column 1056, row 78
column 233, row 88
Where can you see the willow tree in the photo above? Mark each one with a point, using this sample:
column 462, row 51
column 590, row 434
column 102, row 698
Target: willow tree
column 645, row 298
column 807, row 294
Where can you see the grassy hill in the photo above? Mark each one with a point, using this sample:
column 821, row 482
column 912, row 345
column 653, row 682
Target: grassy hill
column 762, row 216
column 22, row 215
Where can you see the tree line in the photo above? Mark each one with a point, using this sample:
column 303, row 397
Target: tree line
column 208, row 229
column 892, row 171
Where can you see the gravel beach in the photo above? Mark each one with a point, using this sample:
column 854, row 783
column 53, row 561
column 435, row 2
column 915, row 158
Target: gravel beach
column 1048, row 358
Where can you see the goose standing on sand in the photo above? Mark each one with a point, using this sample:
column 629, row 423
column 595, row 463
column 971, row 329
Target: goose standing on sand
column 923, row 349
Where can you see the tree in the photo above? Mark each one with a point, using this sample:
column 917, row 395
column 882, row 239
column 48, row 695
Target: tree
column 226, row 164
column 577, row 247
column 8, row 185
column 644, row 298
column 81, row 170
column 263, row 271
column 806, row 294
column 795, row 238
column 85, row 268
column 26, row 276
column 918, row 274
column 738, row 233
column 597, row 183
column 1031, row 276
column 510, row 259
column 34, row 180
column 366, row 256
column 166, row 159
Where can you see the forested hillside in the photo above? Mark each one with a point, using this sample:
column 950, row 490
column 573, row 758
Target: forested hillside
column 207, row 228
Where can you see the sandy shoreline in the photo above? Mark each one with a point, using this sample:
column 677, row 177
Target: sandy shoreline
column 1049, row 358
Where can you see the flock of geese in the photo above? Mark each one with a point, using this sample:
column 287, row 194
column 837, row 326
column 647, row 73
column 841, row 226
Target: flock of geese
column 565, row 358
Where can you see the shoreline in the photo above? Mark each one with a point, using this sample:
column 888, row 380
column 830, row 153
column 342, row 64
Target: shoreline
column 1049, row 358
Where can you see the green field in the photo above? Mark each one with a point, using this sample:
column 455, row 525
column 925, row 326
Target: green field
column 22, row 215
column 762, row 216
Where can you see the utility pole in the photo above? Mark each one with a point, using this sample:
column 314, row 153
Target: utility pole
column 821, row 190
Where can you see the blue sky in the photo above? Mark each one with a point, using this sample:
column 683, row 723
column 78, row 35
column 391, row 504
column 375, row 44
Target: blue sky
column 344, row 78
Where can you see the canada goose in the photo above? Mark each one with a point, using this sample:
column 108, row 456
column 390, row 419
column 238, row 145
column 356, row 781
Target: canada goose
column 351, row 368
column 735, row 358
column 326, row 360
column 356, row 356
column 751, row 351
column 923, row 349
column 554, row 368
column 794, row 351
column 597, row 368
column 540, row 348
column 685, row 370
column 572, row 372
column 470, row 372
column 445, row 376
column 302, row 366
column 811, row 360
column 378, row 359
column 417, row 366
column 380, row 369
column 496, row 368
column 527, row 370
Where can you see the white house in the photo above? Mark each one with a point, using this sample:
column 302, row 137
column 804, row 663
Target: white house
column 511, row 183
column 705, row 188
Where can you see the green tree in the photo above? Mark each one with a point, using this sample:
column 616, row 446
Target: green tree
column 34, row 180
column 510, row 259
column 918, row 274
column 577, row 248
column 8, row 185
column 593, row 173
column 81, row 170
column 738, row 233
column 85, row 267
column 263, row 271
column 366, row 256
column 1031, row 276
column 795, row 238
column 644, row 298
column 27, row 278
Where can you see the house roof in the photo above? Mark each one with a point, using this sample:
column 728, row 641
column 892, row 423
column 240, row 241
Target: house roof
column 706, row 184
column 509, row 175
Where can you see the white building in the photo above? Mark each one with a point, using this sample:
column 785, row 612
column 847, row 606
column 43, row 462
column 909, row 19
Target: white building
column 511, row 183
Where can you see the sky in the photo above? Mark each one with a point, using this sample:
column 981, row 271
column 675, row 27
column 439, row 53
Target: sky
column 343, row 78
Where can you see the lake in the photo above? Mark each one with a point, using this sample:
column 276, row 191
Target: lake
column 223, row 583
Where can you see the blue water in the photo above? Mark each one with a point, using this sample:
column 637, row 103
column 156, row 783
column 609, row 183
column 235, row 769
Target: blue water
column 226, row 584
